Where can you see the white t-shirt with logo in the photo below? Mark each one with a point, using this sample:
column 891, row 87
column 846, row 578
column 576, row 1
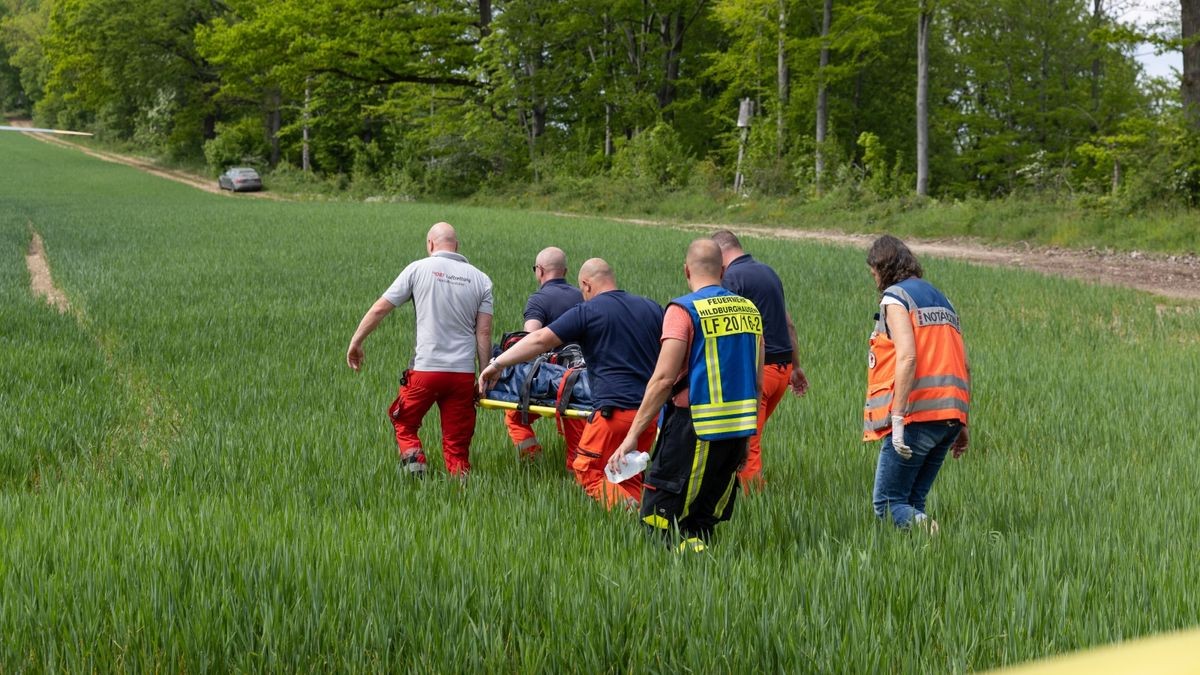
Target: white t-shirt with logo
column 447, row 293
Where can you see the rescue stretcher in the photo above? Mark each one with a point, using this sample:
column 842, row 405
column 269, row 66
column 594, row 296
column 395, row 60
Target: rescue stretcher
column 552, row 385
column 534, row 409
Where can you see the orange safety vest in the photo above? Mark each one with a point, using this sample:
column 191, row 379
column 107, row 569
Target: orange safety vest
column 941, row 386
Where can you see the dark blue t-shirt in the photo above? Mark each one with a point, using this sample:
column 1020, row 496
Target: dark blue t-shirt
column 550, row 301
column 759, row 284
column 619, row 334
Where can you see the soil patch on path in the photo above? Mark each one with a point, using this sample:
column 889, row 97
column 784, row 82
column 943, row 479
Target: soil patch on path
column 41, row 283
column 1170, row 276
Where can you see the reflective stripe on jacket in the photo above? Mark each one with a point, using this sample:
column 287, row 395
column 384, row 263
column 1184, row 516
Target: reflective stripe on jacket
column 941, row 386
column 723, row 363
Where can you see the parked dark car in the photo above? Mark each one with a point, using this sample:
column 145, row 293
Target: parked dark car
column 240, row 179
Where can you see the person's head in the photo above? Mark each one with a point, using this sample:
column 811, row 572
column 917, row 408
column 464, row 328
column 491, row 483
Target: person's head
column 441, row 237
column 731, row 248
column 596, row 277
column 702, row 266
column 891, row 262
column 551, row 263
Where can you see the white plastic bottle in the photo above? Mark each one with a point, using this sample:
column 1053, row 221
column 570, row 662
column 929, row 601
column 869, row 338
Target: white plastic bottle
column 631, row 464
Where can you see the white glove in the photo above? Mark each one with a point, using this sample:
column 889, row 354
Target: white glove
column 898, row 443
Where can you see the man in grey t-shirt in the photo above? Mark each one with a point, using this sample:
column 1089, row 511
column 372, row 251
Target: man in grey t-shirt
column 453, row 303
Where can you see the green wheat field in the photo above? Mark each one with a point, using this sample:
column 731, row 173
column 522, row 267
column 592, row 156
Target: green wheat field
column 191, row 479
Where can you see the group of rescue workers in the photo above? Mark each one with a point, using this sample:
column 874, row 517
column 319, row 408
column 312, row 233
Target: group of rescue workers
column 710, row 369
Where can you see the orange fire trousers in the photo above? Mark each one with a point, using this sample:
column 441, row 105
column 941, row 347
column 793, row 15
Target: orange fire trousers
column 526, row 440
column 601, row 437
column 775, row 385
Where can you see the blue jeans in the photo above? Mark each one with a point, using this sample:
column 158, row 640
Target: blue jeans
column 901, row 485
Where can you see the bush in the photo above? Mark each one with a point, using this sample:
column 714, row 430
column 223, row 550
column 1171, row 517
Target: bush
column 654, row 158
column 241, row 143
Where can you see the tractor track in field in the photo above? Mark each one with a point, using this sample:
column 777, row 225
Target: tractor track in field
column 160, row 419
column 1170, row 276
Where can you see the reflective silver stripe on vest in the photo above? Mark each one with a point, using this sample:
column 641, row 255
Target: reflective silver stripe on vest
column 941, row 381
column 907, row 299
column 879, row 400
column 704, row 410
column 939, row 404
column 877, row 425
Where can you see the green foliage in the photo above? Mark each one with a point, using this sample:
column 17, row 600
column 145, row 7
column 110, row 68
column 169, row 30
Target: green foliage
column 238, row 143
column 12, row 97
column 881, row 180
column 127, row 67
column 440, row 98
column 655, row 157
column 22, row 26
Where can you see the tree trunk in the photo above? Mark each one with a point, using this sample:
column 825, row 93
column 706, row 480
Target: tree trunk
column 608, row 135
column 305, row 162
column 782, row 82
column 274, row 122
column 1097, row 19
column 485, row 18
column 537, row 101
column 1190, row 19
column 1116, row 177
column 822, row 101
column 531, row 140
column 671, row 31
column 923, row 17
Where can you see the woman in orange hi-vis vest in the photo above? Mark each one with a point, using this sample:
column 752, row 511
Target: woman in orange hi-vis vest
column 918, row 385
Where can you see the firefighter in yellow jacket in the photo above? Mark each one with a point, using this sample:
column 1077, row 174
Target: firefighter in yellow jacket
column 709, row 375
column 918, row 385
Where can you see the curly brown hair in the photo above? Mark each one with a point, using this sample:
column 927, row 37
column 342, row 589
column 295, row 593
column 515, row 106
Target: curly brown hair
column 893, row 261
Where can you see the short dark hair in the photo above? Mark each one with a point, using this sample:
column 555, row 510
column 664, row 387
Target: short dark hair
column 893, row 261
column 726, row 240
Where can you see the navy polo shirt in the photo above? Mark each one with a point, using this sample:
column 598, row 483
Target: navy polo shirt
column 619, row 334
column 550, row 301
column 759, row 284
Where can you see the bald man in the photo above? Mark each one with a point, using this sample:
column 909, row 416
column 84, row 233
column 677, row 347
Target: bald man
column 552, row 299
column 453, row 305
column 709, row 376
column 618, row 333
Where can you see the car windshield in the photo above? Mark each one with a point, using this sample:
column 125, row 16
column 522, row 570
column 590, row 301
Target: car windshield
column 244, row 173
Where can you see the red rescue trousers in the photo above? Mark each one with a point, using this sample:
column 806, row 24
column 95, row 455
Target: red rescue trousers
column 776, row 378
column 454, row 394
column 601, row 437
column 526, row 441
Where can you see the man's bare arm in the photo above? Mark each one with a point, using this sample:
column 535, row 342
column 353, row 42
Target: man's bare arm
column 370, row 321
column 483, row 338
column 671, row 358
column 799, row 381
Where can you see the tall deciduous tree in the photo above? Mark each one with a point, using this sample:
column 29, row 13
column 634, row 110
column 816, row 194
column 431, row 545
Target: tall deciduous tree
column 130, row 67
column 782, row 79
column 822, row 96
column 924, row 17
column 1190, row 21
